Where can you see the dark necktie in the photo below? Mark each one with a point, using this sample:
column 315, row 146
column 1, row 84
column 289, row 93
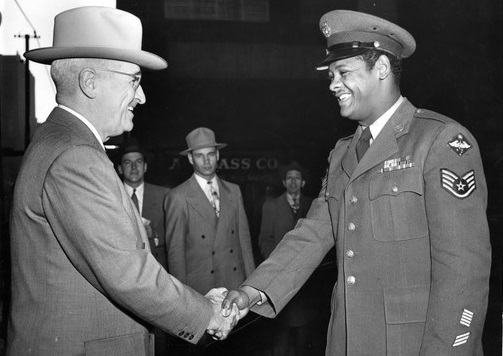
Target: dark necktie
column 135, row 200
column 363, row 143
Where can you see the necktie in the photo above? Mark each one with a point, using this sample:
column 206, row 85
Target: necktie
column 214, row 199
column 296, row 204
column 135, row 200
column 363, row 143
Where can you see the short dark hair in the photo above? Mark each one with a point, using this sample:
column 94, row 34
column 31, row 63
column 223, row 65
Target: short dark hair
column 371, row 56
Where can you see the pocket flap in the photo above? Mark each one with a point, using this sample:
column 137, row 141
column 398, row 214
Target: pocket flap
column 126, row 345
column 406, row 305
column 396, row 182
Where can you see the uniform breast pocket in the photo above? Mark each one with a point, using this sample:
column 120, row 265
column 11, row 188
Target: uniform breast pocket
column 397, row 205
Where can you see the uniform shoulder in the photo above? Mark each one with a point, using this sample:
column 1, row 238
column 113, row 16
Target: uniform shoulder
column 432, row 115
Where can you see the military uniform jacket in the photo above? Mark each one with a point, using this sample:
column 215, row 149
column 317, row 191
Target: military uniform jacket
column 412, row 242
column 205, row 251
column 83, row 276
column 153, row 210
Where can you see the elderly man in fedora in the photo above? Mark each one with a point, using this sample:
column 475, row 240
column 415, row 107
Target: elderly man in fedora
column 404, row 202
column 207, row 235
column 83, row 277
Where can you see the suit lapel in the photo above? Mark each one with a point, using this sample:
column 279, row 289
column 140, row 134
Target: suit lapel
column 199, row 202
column 226, row 205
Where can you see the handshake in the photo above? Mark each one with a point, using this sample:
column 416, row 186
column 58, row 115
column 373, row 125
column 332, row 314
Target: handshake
column 228, row 309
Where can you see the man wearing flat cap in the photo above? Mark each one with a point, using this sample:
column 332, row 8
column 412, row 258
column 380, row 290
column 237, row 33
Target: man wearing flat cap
column 207, row 235
column 404, row 203
column 83, row 278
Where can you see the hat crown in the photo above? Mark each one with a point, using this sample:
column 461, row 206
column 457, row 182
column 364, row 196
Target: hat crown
column 201, row 137
column 87, row 26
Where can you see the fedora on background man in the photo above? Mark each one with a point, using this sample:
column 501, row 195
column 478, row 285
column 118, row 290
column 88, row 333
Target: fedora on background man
column 83, row 277
column 404, row 202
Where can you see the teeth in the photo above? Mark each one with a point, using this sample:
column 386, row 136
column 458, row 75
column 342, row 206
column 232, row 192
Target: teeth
column 130, row 108
column 343, row 97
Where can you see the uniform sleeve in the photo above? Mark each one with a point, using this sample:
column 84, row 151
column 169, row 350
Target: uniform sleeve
column 266, row 236
column 294, row 259
column 84, row 204
column 456, row 199
column 244, row 237
column 176, row 224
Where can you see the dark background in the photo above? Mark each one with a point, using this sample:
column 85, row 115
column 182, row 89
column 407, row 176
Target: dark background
column 253, row 82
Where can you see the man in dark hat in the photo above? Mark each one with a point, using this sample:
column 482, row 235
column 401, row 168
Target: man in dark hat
column 83, row 277
column 404, row 203
column 207, row 235
column 148, row 198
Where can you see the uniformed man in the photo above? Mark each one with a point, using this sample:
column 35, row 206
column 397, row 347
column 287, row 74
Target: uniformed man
column 404, row 202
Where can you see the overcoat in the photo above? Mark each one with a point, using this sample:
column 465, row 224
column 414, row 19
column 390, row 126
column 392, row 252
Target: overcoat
column 153, row 210
column 205, row 251
column 83, row 276
column 412, row 240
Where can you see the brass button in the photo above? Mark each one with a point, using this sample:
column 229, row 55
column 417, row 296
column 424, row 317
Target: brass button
column 394, row 189
column 351, row 280
column 350, row 253
column 354, row 200
column 351, row 226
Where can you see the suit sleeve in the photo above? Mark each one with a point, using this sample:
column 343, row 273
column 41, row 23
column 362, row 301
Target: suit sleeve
column 176, row 224
column 266, row 236
column 456, row 199
column 83, row 201
column 244, row 237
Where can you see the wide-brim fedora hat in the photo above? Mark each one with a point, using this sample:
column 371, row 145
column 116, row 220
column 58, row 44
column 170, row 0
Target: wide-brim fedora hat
column 351, row 33
column 97, row 32
column 201, row 137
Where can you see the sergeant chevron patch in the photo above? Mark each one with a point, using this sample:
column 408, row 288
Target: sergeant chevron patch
column 466, row 318
column 460, row 187
column 461, row 339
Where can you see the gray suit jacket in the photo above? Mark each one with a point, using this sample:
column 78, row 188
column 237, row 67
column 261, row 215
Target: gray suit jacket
column 205, row 251
column 82, row 271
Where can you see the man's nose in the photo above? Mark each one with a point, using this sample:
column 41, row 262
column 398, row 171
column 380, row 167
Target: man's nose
column 140, row 95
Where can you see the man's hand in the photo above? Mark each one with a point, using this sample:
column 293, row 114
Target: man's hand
column 236, row 299
column 220, row 325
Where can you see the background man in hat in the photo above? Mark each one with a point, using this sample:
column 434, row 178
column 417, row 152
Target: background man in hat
column 207, row 235
column 83, row 276
column 404, row 202
column 148, row 198
column 279, row 216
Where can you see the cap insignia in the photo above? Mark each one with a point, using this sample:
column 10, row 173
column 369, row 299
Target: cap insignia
column 326, row 30
column 376, row 44
column 460, row 144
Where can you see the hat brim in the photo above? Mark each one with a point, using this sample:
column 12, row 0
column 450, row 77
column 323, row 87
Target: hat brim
column 333, row 57
column 217, row 145
column 144, row 59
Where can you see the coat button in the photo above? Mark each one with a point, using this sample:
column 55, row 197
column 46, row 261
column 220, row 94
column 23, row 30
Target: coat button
column 351, row 280
column 394, row 189
column 186, row 335
column 351, row 226
column 232, row 250
column 202, row 236
column 181, row 333
column 353, row 200
column 234, row 269
column 212, row 271
column 213, row 252
column 191, row 337
column 350, row 253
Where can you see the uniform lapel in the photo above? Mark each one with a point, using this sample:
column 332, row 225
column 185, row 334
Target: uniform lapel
column 349, row 160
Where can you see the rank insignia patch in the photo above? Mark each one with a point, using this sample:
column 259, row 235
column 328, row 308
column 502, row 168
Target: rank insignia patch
column 460, row 187
column 466, row 318
column 460, row 144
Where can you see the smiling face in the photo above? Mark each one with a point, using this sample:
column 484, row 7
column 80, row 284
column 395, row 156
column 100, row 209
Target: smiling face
column 357, row 89
column 133, row 168
column 204, row 161
column 119, row 94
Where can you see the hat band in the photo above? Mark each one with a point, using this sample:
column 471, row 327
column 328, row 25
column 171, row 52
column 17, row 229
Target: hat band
column 366, row 40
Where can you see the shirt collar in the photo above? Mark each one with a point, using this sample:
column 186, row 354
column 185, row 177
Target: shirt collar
column 377, row 125
column 139, row 190
column 86, row 122
column 204, row 183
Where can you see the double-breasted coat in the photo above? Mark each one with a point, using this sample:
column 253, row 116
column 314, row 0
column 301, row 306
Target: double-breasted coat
column 412, row 241
column 205, row 251
column 83, row 276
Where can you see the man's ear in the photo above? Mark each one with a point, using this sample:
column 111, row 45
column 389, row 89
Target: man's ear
column 119, row 169
column 284, row 183
column 145, row 167
column 191, row 159
column 303, row 184
column 88, row 82
column 383, row 66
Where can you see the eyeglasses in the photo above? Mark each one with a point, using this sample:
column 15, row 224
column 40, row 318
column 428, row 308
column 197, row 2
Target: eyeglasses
column 135, row 83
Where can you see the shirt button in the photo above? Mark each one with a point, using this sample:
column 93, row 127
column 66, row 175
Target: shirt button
column 351, row 280
column 350, row 253
column 351, row 226
column 354, row 200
